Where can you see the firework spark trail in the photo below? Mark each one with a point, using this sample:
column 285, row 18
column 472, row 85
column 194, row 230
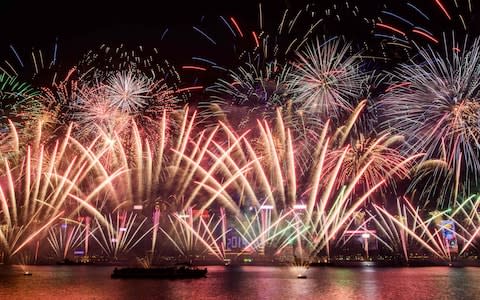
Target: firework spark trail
column 326, row 79
column 261, row 232
column 467, row 219
column 253, row 85
column 19, row 101
column 38, row 65
column 420, row 28
column 33, row 235
column 387, row 162
column 138, row 148
column 272, row 170
column 436, row 112
column 9, row 141
column 35, row 191
column 192, row 235
column 208, row 173
column 409, row 224
column 120, row 236
column 66, row 236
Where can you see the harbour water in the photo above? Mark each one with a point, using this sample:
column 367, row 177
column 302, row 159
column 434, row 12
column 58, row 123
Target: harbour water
column 247, row 282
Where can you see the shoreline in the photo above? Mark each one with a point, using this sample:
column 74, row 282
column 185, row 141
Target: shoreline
column 334, row 264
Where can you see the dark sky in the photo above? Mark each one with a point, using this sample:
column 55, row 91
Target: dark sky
column 85, row 24
column 31, row 22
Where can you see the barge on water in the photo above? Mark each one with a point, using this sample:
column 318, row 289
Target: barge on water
column 177, row 272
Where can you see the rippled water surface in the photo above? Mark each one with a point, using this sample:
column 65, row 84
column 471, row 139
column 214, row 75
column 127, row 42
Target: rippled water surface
column 89, row 282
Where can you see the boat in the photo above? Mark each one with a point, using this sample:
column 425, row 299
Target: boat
column 177, row 272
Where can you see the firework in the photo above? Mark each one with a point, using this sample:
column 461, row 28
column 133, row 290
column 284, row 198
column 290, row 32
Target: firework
column 273, row 183
column 131, row 93
column 194, row 234
column 165, row 175
column 400, row 28
column 382, row 152
column 327, row 79
column 65, row 237
column 124, row 99
column 19, row 101
column 44, row 182
column 434, row 105
column 120, row 235
column 287, row 159
column 251, row 87
column 407, row 231
column 261, row 80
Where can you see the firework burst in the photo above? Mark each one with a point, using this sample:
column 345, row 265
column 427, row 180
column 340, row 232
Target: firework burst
column 408, row 230
column 43, row 182
column 194, row 234
column 435, row 104
column 382, row 152
column 19, row 101
column 327, row 79
column 132, row 93
column 121, row 234
column 125, row 99
column 251, row 87
column 65, row 237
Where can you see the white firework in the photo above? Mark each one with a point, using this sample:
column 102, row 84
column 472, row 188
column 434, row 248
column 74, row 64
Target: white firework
column 124, row 97
column 252, row 85
column 128, row 92
column 92, row 112
column 327, row 80
column 435, row 103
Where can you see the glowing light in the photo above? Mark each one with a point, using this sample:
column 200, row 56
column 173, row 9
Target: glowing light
column 390, row 28
column 191, row 88
column 236, row 26
column 255, row 38
column 194, row 68
column 300, row 206
column 426, row 35
column 266, row 207
column 295, row 160
column 442, row 7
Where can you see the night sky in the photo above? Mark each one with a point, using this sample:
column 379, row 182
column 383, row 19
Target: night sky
column 83, row 25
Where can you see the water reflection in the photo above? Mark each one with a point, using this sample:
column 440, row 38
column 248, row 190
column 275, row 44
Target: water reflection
column 81, row 282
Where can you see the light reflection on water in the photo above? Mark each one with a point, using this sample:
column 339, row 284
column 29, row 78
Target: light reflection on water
column 89, row 282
